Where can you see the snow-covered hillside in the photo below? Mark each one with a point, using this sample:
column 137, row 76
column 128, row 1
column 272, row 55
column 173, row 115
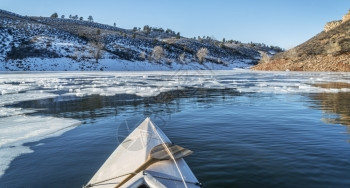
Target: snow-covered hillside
column 40, row 43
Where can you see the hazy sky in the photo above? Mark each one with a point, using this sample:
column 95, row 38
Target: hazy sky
column 283, row 23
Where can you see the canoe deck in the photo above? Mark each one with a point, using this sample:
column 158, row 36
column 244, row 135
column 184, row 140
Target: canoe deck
column 132, row 153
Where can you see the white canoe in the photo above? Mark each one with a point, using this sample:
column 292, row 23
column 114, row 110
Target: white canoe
column 134, row 152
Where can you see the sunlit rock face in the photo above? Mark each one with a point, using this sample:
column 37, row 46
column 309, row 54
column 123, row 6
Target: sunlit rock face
column 327, row 51
column 333, row 24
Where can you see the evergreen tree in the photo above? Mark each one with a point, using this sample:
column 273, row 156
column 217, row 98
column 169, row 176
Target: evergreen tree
column 146, row 28
column 81, row 18
column 90, row 19
column 168, row 31
column 62, row 16
column 115, row 25
column 54, row 15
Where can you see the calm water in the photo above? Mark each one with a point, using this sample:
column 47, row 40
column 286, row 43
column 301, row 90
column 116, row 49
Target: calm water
column 255, row 130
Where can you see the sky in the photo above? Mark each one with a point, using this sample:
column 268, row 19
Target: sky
column 284, row 23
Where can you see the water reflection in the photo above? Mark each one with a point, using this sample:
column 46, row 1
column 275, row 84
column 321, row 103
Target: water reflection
column 335, row 105
column 95, row 106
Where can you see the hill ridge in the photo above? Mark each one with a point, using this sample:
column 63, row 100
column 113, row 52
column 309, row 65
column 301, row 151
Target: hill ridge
column 43, row 43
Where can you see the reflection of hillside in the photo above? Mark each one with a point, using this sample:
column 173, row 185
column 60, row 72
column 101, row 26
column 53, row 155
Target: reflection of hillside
column 335, row 103
column 333, row 85
column 94, row 106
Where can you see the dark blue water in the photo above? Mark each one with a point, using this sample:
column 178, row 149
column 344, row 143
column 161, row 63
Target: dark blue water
column 239, row 139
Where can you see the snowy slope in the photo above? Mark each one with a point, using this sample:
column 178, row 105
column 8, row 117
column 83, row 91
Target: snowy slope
column 40, row 44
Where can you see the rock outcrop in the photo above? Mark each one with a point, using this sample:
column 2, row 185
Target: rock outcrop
column 334, row 24
column 327, row 51
column 346, row 17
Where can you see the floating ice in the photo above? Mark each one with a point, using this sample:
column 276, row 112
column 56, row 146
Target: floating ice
column 16, row 127
column 19, row 87
column 6, row 112
column 25, row 96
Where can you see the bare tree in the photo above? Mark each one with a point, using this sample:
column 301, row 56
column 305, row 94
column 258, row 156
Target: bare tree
column 97, row 52
column 182, row 57
column 265, row 58
column 142, row 56
column 157, row 53
column 201, row 54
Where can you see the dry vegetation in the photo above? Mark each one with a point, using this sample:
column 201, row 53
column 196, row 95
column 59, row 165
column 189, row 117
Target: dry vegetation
column 327, row 51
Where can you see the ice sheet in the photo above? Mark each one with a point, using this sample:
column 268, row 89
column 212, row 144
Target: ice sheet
column 17, row 130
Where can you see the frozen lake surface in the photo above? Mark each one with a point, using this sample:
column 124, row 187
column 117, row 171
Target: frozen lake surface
column 246, row 128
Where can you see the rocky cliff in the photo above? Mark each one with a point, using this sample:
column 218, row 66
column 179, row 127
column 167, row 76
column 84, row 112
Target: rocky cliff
column 327, row 51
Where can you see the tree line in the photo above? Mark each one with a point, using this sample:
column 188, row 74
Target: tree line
column 73, row 17
column 147, row 29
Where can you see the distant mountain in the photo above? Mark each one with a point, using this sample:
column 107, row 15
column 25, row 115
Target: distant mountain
column 327, row 51
column 46, row 43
